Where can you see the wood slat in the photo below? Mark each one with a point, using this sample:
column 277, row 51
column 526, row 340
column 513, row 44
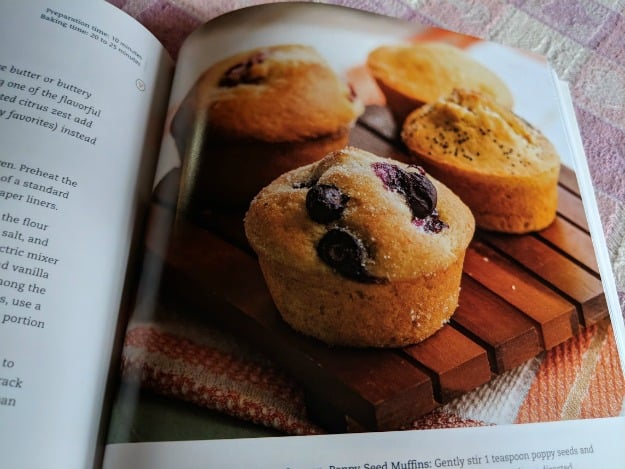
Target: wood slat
column 228, row 225
column 509, row 336
column 568, row 180
column 380, row 120
column 457, row 363
column 571, row 241
column 571, row 208
column 327, row 415
column 363, row 138
column 575, row 283
column 555, row 317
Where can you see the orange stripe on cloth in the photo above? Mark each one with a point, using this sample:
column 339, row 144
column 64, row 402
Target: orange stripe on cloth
column 461, row 41
column 606, row 391
column 440, row 419
column 178, row 368
column 556, row 379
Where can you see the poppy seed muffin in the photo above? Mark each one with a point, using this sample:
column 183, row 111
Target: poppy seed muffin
column 503, row 168
column 360, row 250
column 413, row 75
column 257, row 114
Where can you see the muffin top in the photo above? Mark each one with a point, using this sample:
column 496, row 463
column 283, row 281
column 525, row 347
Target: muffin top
column 282, row 93
column 429, row 70
column 470, row 131
column 363, row 217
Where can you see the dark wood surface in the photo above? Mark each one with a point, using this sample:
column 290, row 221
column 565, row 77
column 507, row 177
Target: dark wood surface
column 520, row 296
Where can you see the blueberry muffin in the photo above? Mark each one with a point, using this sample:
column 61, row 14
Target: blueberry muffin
column 411, row 76
column 255, row 115
column 359, row 250
column 502, row 167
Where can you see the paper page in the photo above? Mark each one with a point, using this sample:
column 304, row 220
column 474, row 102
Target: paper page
column 575, row 444
column 82, row 88
column 592, row 212
column 195, row 367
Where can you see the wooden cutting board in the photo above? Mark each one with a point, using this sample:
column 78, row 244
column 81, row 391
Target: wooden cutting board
column 520, row 295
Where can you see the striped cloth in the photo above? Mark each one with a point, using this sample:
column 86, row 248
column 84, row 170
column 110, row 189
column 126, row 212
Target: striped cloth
column 584, row 41
column 578, row 379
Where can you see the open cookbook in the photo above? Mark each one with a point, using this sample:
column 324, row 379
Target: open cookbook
column 321, row 239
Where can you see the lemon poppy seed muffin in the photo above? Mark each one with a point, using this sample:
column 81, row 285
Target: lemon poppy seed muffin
column 413, row 75
column 502, row 167
column 360, row 250
column 257, row 114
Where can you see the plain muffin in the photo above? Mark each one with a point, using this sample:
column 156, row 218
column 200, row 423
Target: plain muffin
column 413, row 75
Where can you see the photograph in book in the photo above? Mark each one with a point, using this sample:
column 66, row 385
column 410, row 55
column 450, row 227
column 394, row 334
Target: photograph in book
column 375, row 225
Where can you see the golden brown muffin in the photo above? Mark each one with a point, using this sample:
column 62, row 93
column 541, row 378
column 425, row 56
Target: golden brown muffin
column 503, row 168
column 360, row 250
column 255, row 115
column 411, row 76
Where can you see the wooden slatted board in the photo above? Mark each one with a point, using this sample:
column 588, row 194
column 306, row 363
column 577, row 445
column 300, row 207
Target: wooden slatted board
column 520, row 296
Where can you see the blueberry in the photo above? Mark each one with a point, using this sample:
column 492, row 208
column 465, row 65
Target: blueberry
column 418, row 191
column 346, row 254
column 434, row 224
column 431, row 224
column 325, row 203
column 420, row 194
column 389, row 174
column 419, row 169
column 243, row 72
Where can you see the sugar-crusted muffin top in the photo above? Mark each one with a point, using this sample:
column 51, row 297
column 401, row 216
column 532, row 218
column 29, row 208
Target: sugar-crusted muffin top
column 426, row 71
column 472, row 132
column 363, row 217
column 280, row 93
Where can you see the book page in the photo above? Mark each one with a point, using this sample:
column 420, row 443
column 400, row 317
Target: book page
column 82, row 88
column 257, row 329
column 548, row 445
